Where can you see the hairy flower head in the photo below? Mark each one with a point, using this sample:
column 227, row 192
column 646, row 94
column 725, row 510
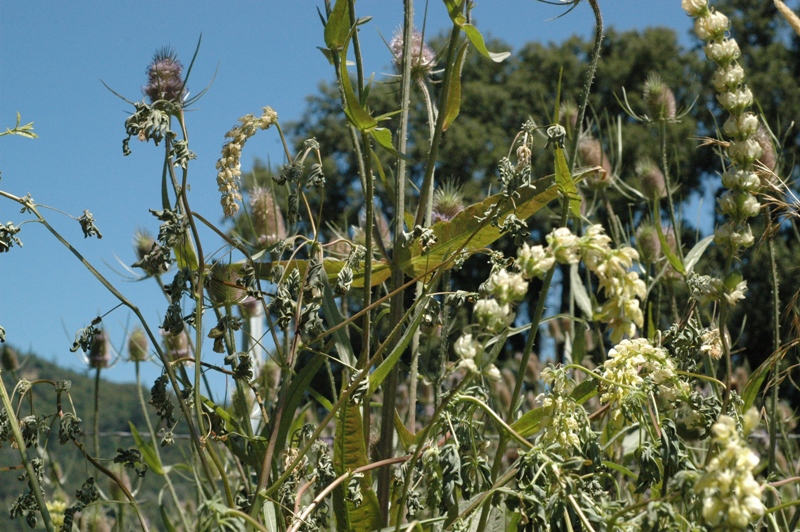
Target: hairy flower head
column 164, row 77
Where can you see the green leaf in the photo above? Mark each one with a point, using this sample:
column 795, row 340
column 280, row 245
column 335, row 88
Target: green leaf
column 621, row 469
column 338, row 26
column 297, row 388
column 383, row 136
column 756, row 379
column 406, row 437
column 695, row 253
column 671, row 256
column 476, row 39
column 349, row 453
column 168, row 526
column 377, row 377
column 528, row 424
column 578, row 346
column 453, row 106
column 566, row 185
column 185, row 253
column 466, row 230
column 584, row 391
column 579, row 292
column 356, row 114
column 148, row 451
column 333, row 318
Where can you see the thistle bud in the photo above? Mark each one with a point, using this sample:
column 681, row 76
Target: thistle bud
column 591, row 153
column 447, row 202
column 267, row 217
column 648, row 243
column 99, row 353
column 176, row 345
column 422, row 57
column 138, row 345
column 658, row 98
column 164, row 78
column 651, row 180
column 9, row 359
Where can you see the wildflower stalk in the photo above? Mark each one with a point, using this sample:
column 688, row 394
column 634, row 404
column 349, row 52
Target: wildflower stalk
column 662, row 135
column 96, row 421
column 140, row 393
column 31, row 207
column 33, row 480
column 776, row 345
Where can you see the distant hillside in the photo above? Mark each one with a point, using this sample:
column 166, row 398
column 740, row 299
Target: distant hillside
column 119, row 403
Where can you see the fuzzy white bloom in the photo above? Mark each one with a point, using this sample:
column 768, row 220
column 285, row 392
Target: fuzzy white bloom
column 728, row 77
column 564, row 245
column 737, row 294
column 535, row 261
column 694, row 8
column 744, row 152
column 507, row 287
column 627, row 366
column 741, row 180
column 711, row 25
column 467, row 348
column 492, row 373
column 731, row 496
column 737, row 99
column 741, row 126
column 722, row 52
column 493, row 316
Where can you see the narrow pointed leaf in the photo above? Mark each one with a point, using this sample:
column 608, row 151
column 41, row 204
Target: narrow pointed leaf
column 673, row 259
column 377, row 377
column 695, row 253
column 148, row 452
column 579, row 292
column 356, row 114
column 338, row 25
column 477, row 41
column 528, row 424
column 453, row 106
column 383, row 136
column 756, row 379
column 566, row 185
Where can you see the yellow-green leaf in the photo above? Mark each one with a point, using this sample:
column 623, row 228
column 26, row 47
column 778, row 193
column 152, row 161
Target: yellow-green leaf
column 673, row 259
column 566, row 185
column 476, row 39
column 453, row 106
column 148, row 451
column 356, row 114
column 338, row 25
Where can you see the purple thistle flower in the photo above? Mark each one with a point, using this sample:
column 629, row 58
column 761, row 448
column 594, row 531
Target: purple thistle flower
column 164, row 77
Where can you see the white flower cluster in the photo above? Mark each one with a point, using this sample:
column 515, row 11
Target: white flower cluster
column 627, row 367
column 229, row 167
column 710, row 289
column 738, row 202
column 564, row 417
column 493, row 314
column 731, row 496
column 623, row 288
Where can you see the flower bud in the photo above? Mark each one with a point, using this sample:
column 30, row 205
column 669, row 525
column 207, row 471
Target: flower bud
column 648, row 243
column 138, row 345
column 694, row 8
column 176, row 345
column 592, row 154
column 711, row 25
column 447, row 202
column 658, row 98
column 9, row 359
column 164, row 78
column 722, row 52
column 737, row 100
column 99, row 353
column 268, row 224
column 744, row 152
column 742, row 126
column 651, row 180
column 728, row 77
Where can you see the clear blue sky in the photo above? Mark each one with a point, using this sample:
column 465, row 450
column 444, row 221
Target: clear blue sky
column 52, row 58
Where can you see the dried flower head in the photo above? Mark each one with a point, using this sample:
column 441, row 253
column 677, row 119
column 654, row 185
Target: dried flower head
column 138, row 345
column 651, row 179
column 422, row 57
column 658, row 98
column 267, row 217
column 447, row 201
column 100, row 352
column 164, row 77
column 592, row 154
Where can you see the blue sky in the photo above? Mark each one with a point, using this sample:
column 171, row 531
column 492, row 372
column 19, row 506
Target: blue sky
column 52, row 58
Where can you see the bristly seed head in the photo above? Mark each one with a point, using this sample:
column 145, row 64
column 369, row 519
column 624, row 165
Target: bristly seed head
column 658, row 98
column 651, row 180
column 422, row 57
column 164, row 77
column 99, row 354
column 447, row 201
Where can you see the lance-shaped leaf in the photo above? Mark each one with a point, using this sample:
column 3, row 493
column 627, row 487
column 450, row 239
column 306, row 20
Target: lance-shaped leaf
column 453, row 106
column 477, row 41
column 349, row 453
column 338, row 26
column 356, row 115
column 673, row 259
column 566, row 185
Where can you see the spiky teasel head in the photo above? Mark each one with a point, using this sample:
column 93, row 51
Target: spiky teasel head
column 176, row 346
column 768, row 157
column 658, row 98
column 138, row 345
column 648, row 243
column 448, row 200
column 221, row 284
column 99, row 353
column 142, row 243
column 9, row 359
column 422, row 57
column 267, row 217
column 164, row 77
column 651, row 180
column 592, row 154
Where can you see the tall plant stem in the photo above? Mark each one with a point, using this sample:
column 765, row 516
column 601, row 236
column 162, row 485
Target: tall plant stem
column 776, row 345
column 96, row 420
column 662, row 135
column 396, row 306
column 33, row 480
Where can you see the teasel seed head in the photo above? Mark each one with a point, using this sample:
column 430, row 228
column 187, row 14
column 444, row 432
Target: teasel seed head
column 448, row 201
column 651, row 180
column 648, row 243
column 138, row 345
column 9, row 359
column 422, row 57
column 267, row 217
column 221, row 284
column 658, row 98
column 768, row 156
column 100, row 352
column 592, row 154
column 164, row 77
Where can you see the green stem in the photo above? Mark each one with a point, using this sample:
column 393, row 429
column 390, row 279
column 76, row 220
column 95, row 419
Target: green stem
column 662, row 135
column 96, row 425
column 776, row 345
